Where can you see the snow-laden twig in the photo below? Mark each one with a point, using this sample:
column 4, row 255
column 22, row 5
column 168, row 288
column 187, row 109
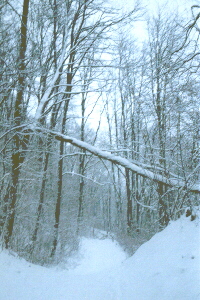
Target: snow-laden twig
column 80, row 175
column 146, row 206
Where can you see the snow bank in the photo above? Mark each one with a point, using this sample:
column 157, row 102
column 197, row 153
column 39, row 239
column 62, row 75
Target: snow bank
column 165, row 268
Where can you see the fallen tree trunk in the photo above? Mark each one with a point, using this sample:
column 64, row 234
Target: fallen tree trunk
column 118, row 160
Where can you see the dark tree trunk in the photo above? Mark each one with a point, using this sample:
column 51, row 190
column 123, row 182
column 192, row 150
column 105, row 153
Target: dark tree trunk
column 129, row 202
column 41, row 201
column 18, row 118
column 60, row 170
column 81, row 164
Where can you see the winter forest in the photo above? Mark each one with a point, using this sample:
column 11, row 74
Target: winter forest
column 99, row 130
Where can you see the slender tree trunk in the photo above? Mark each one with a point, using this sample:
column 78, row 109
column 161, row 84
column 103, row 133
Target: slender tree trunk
column 41, row 201
column 59, row 185
column 161, row 111
column 127, row 174
column 60, row 164
column 129, row 202
column 81, row 164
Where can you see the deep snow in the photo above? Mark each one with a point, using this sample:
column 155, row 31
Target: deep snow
column 165, row 268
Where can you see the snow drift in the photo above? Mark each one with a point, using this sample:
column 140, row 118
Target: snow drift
column 165, row 268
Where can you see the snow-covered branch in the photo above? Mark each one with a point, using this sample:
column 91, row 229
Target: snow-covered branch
column 45, row 99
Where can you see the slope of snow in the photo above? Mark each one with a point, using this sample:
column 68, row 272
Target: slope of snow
column 165, row 268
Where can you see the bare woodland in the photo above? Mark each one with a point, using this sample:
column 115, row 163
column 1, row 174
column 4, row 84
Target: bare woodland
column 97, row 131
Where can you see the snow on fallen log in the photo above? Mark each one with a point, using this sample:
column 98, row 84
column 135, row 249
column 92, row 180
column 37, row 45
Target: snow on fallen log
column 118, row 160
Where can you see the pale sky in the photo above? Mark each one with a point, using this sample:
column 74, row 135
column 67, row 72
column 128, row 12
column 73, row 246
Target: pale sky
column 152, row 6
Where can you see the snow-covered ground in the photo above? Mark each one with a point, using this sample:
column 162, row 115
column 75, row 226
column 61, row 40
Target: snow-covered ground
column 165, row 268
